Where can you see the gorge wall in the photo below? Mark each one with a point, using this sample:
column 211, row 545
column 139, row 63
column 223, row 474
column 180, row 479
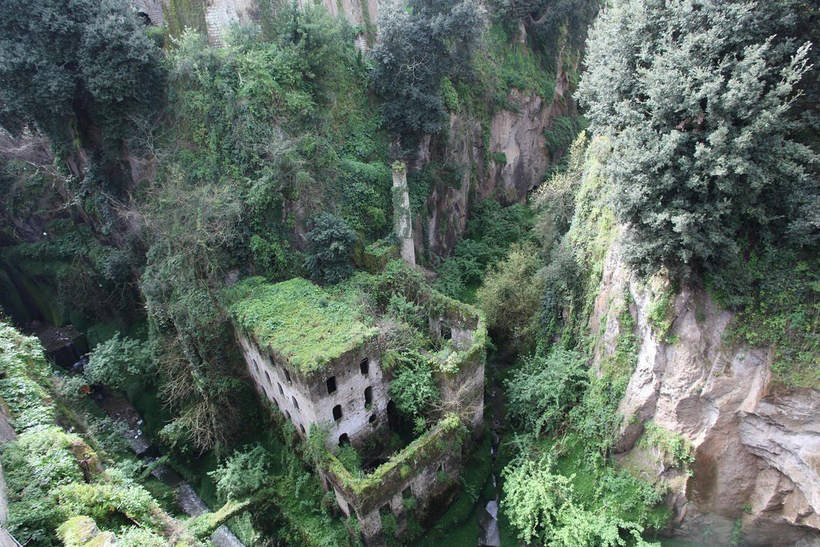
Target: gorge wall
column 756, row 445
column 502, row 158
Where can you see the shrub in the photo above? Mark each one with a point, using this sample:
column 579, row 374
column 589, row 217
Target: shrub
column 118, row 361
column 330, row 249
column 510, row 296
column 697, row 103
column 544, row 388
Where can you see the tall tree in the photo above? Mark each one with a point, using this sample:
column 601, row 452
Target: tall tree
column 80, row 71
column 696, row 96
column 418, row 44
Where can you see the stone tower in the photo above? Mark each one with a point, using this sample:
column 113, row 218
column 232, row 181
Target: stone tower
column 402, row 224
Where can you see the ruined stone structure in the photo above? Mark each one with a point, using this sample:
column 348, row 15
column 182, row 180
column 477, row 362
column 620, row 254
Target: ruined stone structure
column 402, row 224
column 321, row 365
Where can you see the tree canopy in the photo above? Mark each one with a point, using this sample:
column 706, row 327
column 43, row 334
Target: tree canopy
column 697, row 98
column 79, row 70
column 416, row 49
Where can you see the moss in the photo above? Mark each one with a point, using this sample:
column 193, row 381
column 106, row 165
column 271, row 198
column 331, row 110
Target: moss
column 446, row 437
column 297, row 321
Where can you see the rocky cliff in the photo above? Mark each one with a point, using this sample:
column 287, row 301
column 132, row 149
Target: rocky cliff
column 503, row 158
column 756, row 446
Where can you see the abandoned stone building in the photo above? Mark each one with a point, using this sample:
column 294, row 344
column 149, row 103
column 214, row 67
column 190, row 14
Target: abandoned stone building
column 322, row 363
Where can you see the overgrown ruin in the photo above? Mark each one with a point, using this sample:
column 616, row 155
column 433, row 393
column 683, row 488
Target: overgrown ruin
column 327, row 368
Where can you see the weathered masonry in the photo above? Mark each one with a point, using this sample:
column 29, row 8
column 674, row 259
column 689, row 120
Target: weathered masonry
column 320, row 363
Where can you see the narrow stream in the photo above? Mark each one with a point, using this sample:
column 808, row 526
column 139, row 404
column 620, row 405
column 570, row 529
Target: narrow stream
column 489, row 533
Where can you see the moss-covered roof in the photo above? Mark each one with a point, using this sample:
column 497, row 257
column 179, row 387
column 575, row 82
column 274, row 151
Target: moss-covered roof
column 297, row 321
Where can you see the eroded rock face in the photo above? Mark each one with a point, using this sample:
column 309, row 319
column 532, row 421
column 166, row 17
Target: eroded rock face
column 757, row 449
column 505, row 167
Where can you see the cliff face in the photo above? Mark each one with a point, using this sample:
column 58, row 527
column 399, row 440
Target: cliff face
column 756, row 447
column 502, row 159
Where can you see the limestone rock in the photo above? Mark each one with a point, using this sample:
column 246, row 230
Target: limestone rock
column 757, row 449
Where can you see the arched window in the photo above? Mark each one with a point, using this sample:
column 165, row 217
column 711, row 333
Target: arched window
column 344, row 439
column 295, row 402
column 337, row 412
column 364, row 366
column 368, row 396
column 268, row 377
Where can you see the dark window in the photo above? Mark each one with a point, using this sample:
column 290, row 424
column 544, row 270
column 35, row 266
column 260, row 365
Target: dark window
column 344, row 439
column 275, row 402
column 364, row 366
column 368, row 396
column 446, row 332
column 302, row 428
column 372, row 419
column 287, row 376
column 267, row 376
column 256, row 366
column 281, row 391
column 331, row 384
column 295, row 402
column 407, row 493
column 337, row 412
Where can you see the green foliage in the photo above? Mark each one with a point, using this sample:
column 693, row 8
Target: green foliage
column 661, row 314
column 549, row 24
column 542, row 390
column 562, row 133
column 416, row 49
column 24, row 375
column 297, row 320
column 775, row 293
column 117, row 361
column 490, row 232
column 350, row 459
column 546, row 509
column 80, row 73
column 243, row 474
column 330, row 249
column 507, row 65
column 697, row 104
column 413, row 388
column 510, row 297
column 671, row 448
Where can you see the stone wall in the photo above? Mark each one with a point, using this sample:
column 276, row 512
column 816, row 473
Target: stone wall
column 313, row 404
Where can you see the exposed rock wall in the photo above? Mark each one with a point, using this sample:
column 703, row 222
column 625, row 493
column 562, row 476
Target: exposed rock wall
column 503, row 158
column 756, row 447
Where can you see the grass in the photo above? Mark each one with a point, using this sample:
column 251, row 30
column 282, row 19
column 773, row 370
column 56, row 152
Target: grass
column 298, row 321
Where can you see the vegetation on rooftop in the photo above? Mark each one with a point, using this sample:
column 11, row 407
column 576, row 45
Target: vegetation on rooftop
column 298, row 321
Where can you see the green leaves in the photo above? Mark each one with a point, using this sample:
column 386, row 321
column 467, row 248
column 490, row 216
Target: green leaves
column 330, row 249
column 544, row 388
column 697, row 102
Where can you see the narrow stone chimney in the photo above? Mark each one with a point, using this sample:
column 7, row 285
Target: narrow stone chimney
column 402, row 224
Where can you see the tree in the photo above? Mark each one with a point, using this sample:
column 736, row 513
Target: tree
column 118, row 360
column 417, row 46
column 545, row 387
column 697, row 98
column 330, row 249
column 79, row 70
column 511, row 294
